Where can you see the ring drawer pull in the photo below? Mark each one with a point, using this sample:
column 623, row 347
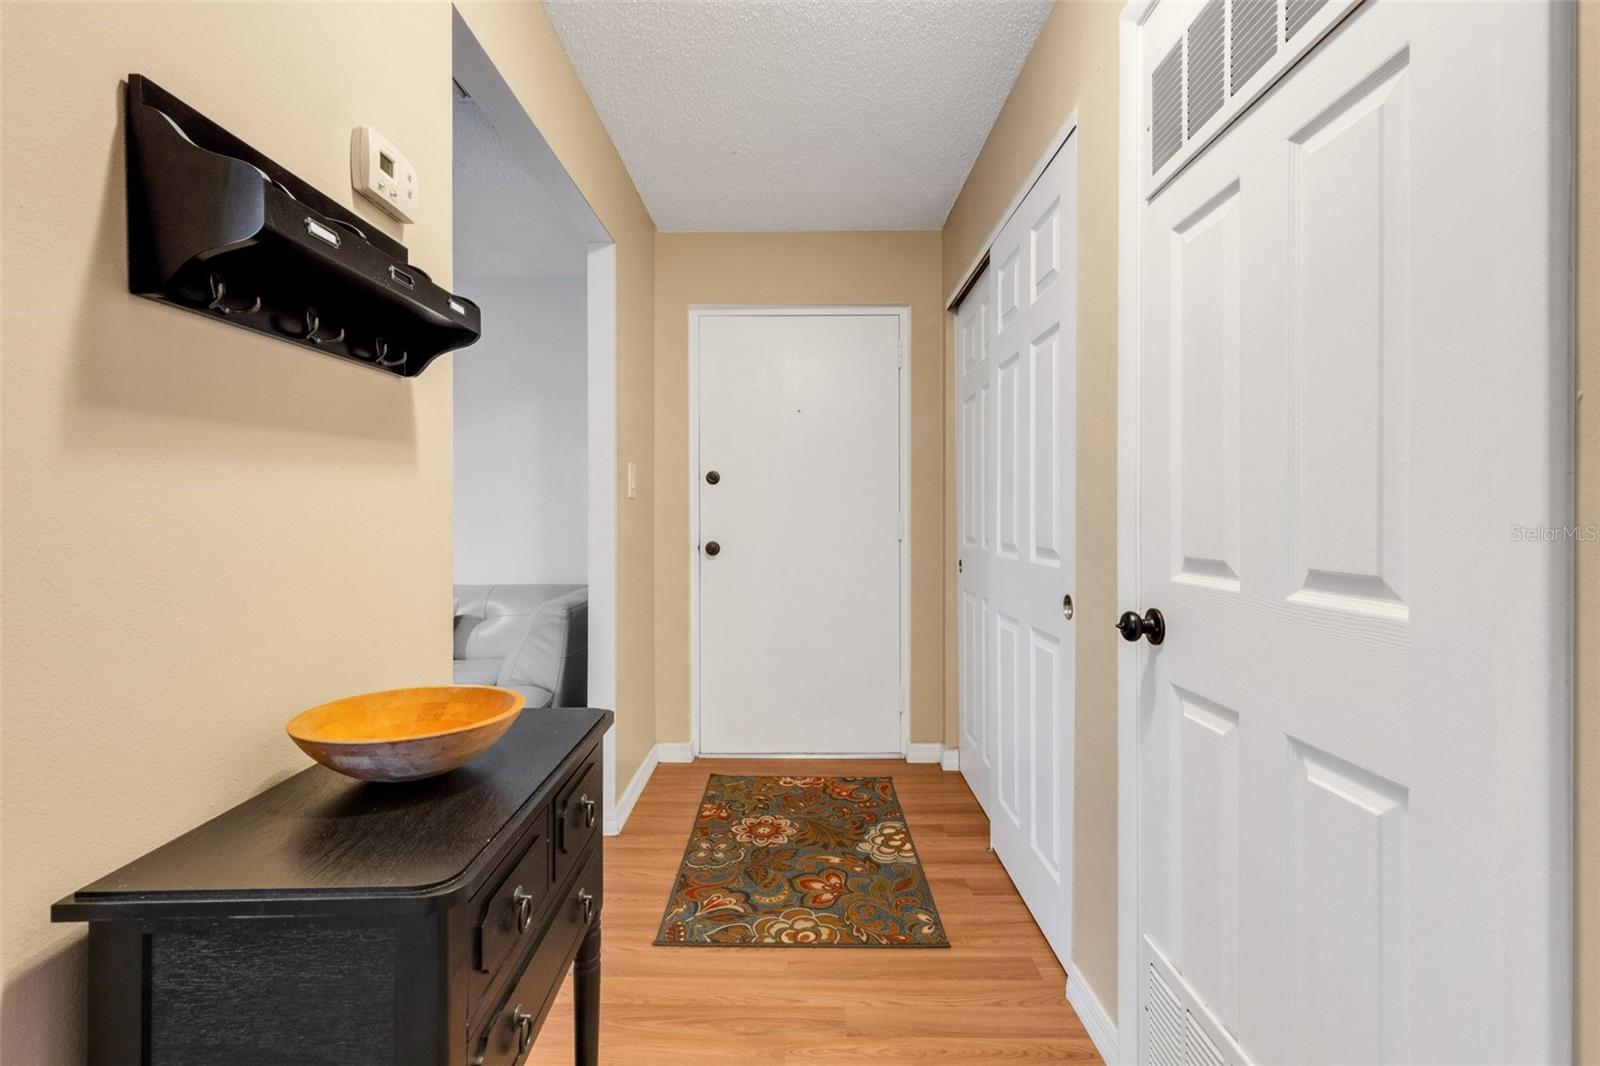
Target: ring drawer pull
column 586, row 900
column 588, row 811
column 522, row 1022
column 522, row 899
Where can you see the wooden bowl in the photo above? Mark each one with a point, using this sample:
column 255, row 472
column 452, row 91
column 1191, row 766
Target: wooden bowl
column 405, row 734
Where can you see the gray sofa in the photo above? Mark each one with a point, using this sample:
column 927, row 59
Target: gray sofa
column 531, row 638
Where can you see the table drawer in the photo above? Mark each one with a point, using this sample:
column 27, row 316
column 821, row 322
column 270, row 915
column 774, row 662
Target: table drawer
column 505, row 1037
column 578, row 816
column 511, row 911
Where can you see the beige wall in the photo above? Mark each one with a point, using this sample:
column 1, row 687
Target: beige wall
column 1073, row 66
column 206, row 530
column 1586, row 705
column 523, row 45
column 798, row 268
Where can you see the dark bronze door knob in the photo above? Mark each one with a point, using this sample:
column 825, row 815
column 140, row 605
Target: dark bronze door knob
column 712, row 547
column 712, row 477
column 1152, row 626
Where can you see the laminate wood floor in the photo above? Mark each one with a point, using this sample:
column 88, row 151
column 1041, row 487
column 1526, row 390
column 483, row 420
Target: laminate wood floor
column 996, row 995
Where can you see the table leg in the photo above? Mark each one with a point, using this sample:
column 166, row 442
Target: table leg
column 586, row 997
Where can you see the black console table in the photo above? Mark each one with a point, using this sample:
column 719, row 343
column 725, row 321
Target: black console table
column 326, row 921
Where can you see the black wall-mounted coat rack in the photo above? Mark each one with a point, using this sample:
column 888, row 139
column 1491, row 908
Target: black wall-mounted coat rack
column 217, row 228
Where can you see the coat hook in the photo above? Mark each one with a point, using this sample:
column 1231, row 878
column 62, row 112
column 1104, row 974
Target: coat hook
column 383, row 355
column 219, row 292
column 314, row 329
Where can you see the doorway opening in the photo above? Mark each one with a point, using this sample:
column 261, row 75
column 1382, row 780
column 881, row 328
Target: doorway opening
column 535, row 411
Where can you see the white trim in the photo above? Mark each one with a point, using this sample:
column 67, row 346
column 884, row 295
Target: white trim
column 617, row 814
column 696, row 313
column 1129, row 143
column 925, row 751
column 602, row 549
column 1022, row 194
column 678, row 751
column 815, row 756
column 951, row 760
column 1092, row 1013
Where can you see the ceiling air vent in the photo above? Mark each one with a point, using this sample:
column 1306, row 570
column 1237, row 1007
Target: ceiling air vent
column 1166, row 108
column 1255, row 39
column 1206, row 87
column 1299, row 13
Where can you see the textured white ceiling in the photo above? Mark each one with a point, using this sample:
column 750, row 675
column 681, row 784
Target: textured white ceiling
column 506, row 224
column 798, row 114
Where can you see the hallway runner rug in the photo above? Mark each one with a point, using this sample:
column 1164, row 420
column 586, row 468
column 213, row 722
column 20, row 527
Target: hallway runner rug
column 823, row 862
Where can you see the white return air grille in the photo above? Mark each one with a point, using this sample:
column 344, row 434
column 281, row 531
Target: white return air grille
column 1207, row 57
column 1166, row 114
column 1174, row 1033
column 1300, row 12
column 1254, row 39
column 1230, row 52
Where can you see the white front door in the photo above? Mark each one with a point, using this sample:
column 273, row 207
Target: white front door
column 1351, row 394
column 974, row 609
column 1019, row 410
column 799, row 525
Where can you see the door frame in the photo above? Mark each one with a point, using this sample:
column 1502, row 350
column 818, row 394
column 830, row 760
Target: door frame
column 1131, row 657
column 699, row 312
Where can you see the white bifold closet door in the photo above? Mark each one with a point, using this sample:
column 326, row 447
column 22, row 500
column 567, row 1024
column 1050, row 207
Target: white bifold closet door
column 1016, row 379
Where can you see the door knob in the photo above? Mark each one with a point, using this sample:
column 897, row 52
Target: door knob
column 712, row 477
column 1066, row 607
column 712, row 547
column 1152, row 626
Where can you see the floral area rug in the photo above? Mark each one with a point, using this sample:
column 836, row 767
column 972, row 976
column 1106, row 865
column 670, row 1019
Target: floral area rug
column 801, row 862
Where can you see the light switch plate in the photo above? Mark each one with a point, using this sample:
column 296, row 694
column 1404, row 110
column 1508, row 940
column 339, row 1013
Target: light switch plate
column 633, row 482
column 381, row 174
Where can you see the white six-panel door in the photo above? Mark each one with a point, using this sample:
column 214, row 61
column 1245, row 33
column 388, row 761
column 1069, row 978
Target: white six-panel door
column 799, row 601
column 1017, row 383
column 1350, row 388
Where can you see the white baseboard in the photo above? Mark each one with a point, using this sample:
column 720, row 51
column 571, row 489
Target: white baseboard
column 811, row 756
column 618, row 816
column 951, row 760
column 677, row 751
column 918, row 751
column 1092, row 1013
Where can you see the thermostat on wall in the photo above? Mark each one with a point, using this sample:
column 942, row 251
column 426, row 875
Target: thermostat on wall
column 382, row 174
